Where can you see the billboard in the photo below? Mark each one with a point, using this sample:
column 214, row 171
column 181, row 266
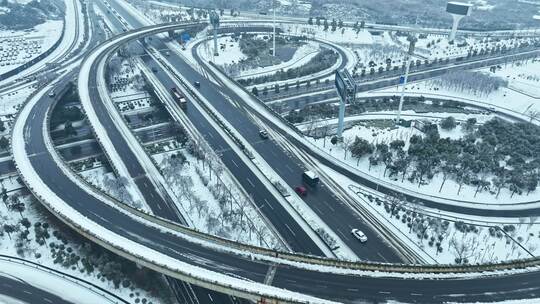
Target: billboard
column 340, row 86
column 345, row 85
column 459, row 8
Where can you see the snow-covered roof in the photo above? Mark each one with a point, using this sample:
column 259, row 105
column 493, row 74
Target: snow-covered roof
column 311, row 174
column 459, row 3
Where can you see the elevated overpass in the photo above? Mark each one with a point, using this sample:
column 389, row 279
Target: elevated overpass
column 226, row 266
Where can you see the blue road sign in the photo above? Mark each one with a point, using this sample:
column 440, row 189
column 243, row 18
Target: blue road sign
column 340, row 86
column 185, row 37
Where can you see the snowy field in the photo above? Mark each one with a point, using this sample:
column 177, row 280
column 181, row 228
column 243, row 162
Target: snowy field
column 345, row 35
column 19, row 47
column 519, row 75
column 437, row 46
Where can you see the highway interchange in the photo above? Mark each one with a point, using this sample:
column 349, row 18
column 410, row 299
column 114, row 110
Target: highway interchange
column 328, row 200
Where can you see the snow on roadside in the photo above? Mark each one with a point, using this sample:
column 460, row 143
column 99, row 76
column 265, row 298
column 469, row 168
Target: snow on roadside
column 211, row 202
column 37, row 243
column 477, row 243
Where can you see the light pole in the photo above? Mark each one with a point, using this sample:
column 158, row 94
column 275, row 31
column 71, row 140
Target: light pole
column 537, row 18
column 412, row 41
column 274, row 30
column 214, row 20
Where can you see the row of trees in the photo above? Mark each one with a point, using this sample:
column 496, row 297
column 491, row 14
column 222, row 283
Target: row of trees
column 476, row 83
column 323, row 60
column 334, row 24
column 496, row 155
column 233, row 216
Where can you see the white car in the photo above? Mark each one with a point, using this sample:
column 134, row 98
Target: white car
column 263, row 134
column 359, row 235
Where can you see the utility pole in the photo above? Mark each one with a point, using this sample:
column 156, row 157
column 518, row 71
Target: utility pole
column 412, row 41
column 274, row 23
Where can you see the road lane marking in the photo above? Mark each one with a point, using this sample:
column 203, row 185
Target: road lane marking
column 235, row 163
column 268, row 203
column 290, row 229
column 249, row 181
column 328, row 205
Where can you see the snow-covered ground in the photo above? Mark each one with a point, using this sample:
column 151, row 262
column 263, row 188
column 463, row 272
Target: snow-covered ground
column 210, row 201
column 11, row 101
column 387, row 134
column 478, row 243
column 34, row 235
column 19, row 47
column 229, row 54
column 522, row 101
column 230, row 58
column 341, row 35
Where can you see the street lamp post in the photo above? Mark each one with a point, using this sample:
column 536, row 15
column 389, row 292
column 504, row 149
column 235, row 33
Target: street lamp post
column 274, row 30
column 412, row 41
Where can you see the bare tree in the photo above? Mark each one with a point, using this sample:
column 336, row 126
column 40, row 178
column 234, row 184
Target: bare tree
column 463, row 249
column 345, row 144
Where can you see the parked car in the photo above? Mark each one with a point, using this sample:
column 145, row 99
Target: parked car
column 302, row 191
column 359, row 235
column 52, row 94
column 154, row 69
column 197, row 84
column 263, row 134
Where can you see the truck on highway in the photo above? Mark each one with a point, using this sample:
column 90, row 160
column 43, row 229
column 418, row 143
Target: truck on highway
column 310, row 178
column 179, row 98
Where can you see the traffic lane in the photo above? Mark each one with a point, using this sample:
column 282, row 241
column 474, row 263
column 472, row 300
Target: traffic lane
column 117, row 221
column 201, row 292
column 287, row 227
column 26, row 293
column 337, row 215
column 161, row 206
column 329, row 207
column 323, row 202
column 368, row 289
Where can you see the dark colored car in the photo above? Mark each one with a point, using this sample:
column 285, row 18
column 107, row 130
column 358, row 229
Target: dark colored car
column 302, row 191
